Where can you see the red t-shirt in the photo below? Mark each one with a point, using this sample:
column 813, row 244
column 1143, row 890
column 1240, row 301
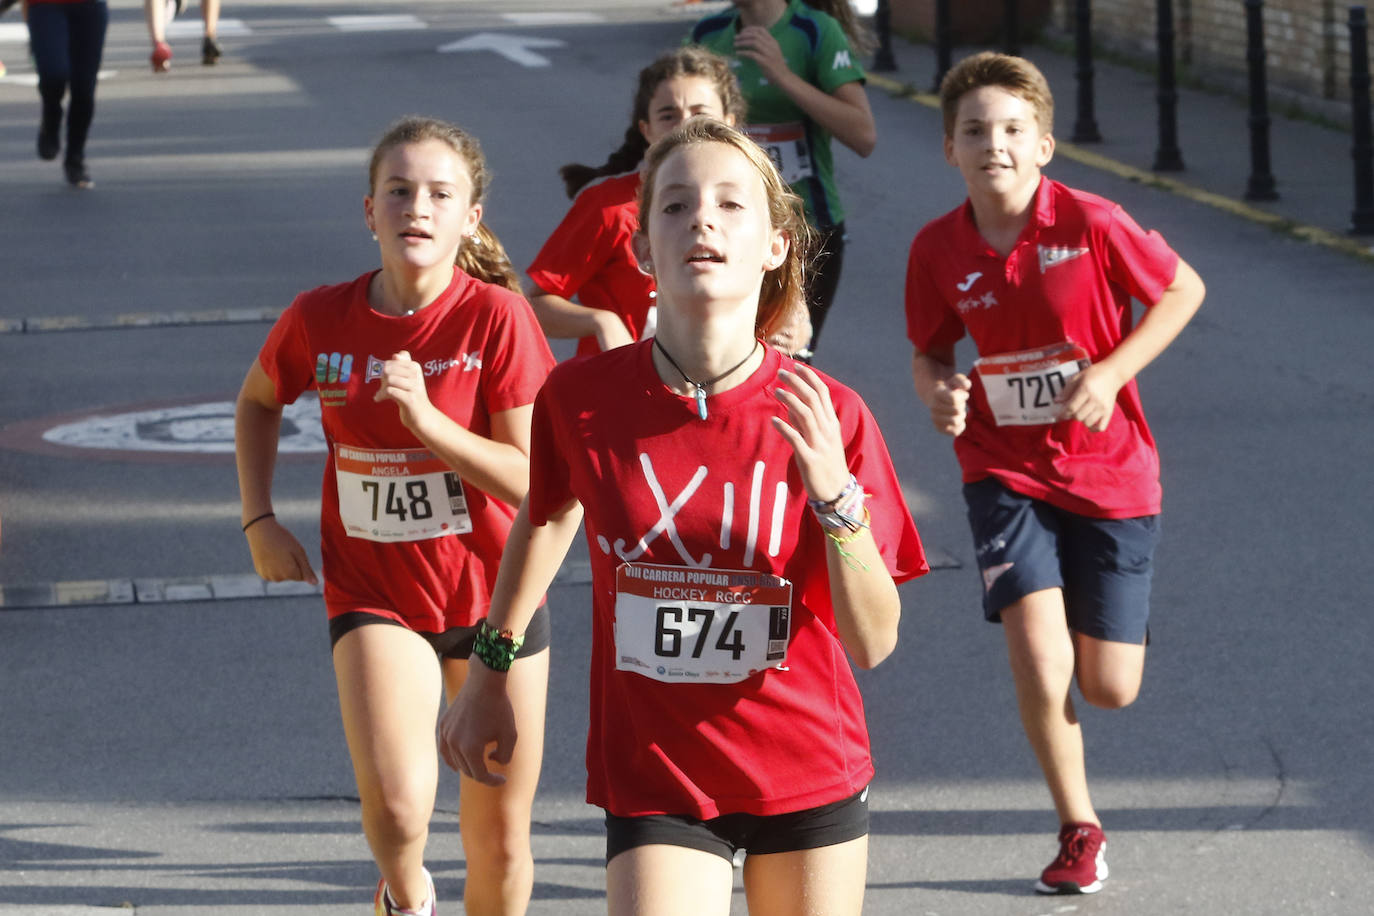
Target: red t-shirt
column 661, row 486
column 1070, row 277
column 590, row 255
column 482, row 352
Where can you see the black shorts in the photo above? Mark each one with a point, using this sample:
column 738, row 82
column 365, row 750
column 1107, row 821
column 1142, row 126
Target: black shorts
column 826, row 825
column 1104, row 566
column 455, row 642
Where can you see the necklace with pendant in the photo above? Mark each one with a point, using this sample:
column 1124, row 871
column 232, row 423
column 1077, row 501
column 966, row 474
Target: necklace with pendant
column 699, row 388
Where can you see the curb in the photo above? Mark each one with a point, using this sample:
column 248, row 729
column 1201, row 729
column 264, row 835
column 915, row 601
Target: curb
column 1292, row 228
column 105, row 592
column 138, row 320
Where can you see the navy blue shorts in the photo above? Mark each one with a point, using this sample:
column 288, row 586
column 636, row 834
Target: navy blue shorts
column 825, row 825
column 1025, row 545
column 455, row 642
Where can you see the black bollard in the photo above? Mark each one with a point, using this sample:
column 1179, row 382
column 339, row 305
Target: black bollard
column 883, row 61
column 1362, row 217
column 1168, row 158
column 1011, row 27
column 943, row 41
column 1261, row 185
column 1085, row 128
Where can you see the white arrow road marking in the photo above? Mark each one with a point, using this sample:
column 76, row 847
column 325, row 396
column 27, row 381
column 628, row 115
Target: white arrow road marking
column 515, row 48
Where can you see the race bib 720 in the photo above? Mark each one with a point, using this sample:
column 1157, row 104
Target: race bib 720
column 1021, row 387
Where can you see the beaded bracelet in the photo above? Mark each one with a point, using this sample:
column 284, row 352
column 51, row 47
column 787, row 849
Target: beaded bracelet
column 496, row 648
column 822, row 506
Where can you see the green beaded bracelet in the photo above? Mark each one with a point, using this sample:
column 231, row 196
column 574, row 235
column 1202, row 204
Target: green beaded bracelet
column 496, row 648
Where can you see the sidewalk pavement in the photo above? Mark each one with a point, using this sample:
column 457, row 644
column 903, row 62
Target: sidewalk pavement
column 1311, row 162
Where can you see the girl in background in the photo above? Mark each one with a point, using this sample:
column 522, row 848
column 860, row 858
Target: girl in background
column 798, row 66
column 426, row 375
column 589, row 255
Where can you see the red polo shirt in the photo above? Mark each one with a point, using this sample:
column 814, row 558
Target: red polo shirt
column 1070, row 277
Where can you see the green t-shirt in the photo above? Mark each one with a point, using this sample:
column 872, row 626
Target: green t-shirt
column 816, row 49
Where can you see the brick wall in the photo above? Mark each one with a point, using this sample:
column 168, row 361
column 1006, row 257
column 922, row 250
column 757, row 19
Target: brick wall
column 1307, row 41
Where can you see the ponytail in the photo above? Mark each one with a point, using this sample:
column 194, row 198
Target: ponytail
column 483, row 257
column 626, row 159
column 843, row 12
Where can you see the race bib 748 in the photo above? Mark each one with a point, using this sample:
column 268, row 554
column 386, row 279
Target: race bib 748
column 398, row 495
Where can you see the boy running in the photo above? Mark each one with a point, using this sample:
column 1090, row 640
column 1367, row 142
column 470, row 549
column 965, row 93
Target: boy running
column 1060, row 471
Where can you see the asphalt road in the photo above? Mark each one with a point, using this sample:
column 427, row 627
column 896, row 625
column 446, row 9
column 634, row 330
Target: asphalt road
column 183, row 756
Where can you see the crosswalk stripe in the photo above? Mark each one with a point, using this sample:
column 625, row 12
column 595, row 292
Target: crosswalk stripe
column 553, row 18
column 381, row 23
column 190, row 27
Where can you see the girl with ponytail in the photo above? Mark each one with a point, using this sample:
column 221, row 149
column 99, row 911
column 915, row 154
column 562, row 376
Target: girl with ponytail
column 589, row 254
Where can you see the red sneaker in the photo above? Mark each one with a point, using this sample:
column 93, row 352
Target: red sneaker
column 162, row 57
column 1081, row 866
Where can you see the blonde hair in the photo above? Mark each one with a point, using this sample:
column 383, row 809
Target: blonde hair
column 783, row 288
column 843, row 12
column 484, row 257
column 1016, row 75
column 689, row 61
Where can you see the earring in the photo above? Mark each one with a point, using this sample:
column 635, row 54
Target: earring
column 374, row 236
column 646, row 266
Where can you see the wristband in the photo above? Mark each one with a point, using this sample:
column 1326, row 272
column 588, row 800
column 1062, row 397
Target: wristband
column 829, row 505
column 254, row 521
column 842, row 539
column 844, row 511
column 496, row 648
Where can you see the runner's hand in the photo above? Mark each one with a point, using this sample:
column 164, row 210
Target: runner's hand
column 277, row 555
column 756, row 43
column 813, row 431
column 479, row 716
column 1090, row 396
column 403, row 381
column 949, row 405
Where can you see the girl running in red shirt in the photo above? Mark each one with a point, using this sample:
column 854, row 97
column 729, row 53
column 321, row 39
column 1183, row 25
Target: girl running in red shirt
column 426, row 377
column 747, row 531
column 589, row 255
